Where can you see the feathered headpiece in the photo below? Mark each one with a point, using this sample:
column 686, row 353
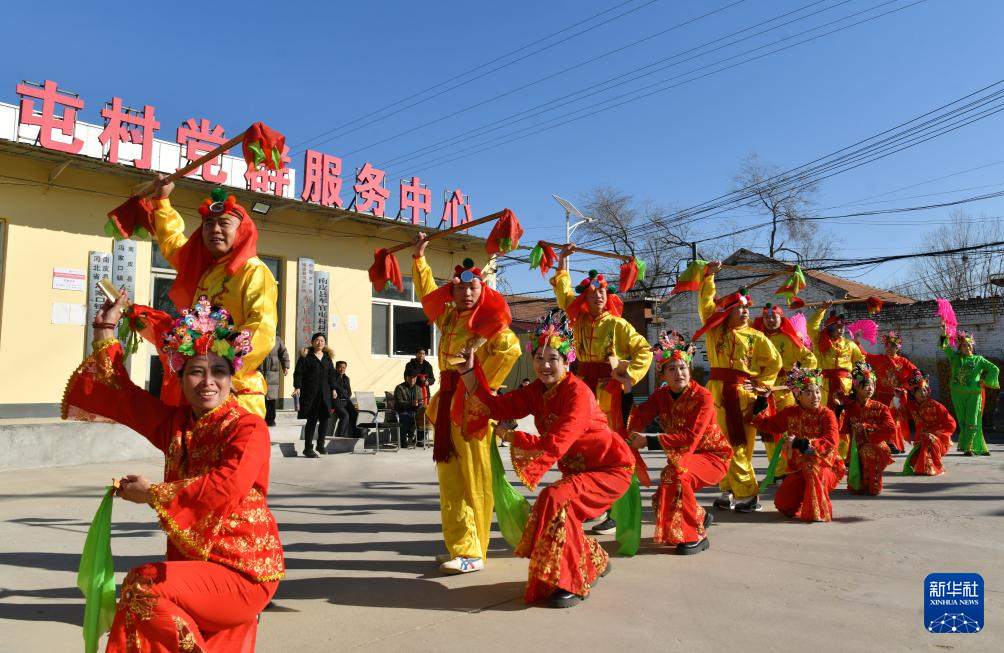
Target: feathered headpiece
column 862, row 371
column 466, row 272
column 801, row 377
column 594, row 281
column 917, row 381
column 672, row 346
column 965, row 336
column 205, row 329
column 553, row 330
column 892, row 338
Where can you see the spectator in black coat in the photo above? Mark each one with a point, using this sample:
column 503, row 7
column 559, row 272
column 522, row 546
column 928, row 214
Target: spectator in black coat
column 345, row 410
column 274, row 367
column 314, row 383
column 407, row 400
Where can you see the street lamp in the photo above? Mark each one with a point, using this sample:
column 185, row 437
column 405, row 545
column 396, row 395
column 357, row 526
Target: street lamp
column 570, row 210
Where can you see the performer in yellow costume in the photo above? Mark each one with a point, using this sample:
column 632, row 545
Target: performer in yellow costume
column 221, row 262
column 788, row 343
column 594, row 311
column 740, row 357
column 836, row 356
column 469, row 315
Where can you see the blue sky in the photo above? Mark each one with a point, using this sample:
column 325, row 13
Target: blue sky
column 310, row 68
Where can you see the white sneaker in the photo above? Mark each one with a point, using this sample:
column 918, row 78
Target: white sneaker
column 462, row 565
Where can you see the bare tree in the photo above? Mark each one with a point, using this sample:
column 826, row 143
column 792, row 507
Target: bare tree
column 625, row 226
column 964, row 275
column 787, row 201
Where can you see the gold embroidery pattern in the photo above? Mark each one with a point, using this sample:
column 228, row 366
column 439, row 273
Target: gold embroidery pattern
column 136, row 597
column 521, row 459
column 545, row 561
column 97, row 367
column 186, row 638
column 572, row 463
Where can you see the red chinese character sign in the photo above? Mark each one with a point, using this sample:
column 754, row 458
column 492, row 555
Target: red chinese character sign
column 322, row 179
column 198, row 139
column 370, row 191
column 267, row 180
column 128, row 126
column 46, row 118
column 452, row 207
column 417, row 197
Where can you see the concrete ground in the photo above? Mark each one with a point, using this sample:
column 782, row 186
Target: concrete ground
column 360, row 533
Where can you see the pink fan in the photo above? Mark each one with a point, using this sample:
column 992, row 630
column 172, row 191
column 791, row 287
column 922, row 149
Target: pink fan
column 866, row 329
column 947, row 315
column 798, row 321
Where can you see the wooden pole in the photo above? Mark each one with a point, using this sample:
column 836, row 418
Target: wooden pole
column 593, row 252
column 192, row 165
column 767, row 279
column 851, row 300
column 451, row 230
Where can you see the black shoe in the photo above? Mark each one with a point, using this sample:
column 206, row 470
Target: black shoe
column 321, row 450
column 749, row 504
column 269, row 423
column 690, row 548
column 968, row 453
column 563, row 599
column 606, row 527
column 605, row 571
column 311, row 454
column 709, row 519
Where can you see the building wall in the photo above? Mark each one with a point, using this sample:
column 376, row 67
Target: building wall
column 56, row 226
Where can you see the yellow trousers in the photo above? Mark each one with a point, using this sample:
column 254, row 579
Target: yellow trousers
column 465, row 496
column 740, row 480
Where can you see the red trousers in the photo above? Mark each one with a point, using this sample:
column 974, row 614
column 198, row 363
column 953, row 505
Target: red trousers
column 806, row 494
column 188, row 605
column 561, row 556
column 926, row 461
column 678, row 516
column 874, row 459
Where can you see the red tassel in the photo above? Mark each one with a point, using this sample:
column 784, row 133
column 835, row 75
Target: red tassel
column 796, row 303
column 548, row 260
column 384, row 269
column 271, row 143
column 629, row 275
column 134, row 212
column 875, row 305
column 505, row 234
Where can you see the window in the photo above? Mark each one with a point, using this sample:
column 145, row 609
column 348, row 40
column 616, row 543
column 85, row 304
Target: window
column 399, row 325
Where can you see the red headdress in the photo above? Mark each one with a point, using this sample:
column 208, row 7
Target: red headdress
column 787, row 328
column 723, row 306
column 193, row 259
column 833, row 320
column 613, row 306
column 489, row 316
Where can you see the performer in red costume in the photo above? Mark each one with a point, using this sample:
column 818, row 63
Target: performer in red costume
column 893, row 371
column 934, row 425
column 697, row 451
column 596, row 464
column 224, row 558
column 814, row 466
column 871, row 426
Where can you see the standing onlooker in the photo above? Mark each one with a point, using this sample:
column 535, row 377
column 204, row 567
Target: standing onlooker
column 407, row 399
column 314, row 383
column 424, row 379
column 345, row 410
column 277, row 359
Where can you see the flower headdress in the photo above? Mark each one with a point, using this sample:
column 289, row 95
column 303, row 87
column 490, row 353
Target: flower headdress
column 862, row 371
column 553, row 330
column 917, row 381
column 204, row 329
column 672, row 346
column 800, row 377
column 892, row 338
column 965, row 336
column 769, row 308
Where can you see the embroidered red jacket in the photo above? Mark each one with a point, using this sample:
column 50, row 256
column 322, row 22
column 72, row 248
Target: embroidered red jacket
column 869, row 424
column 687, row 422
column 573, row 430
column 212, row 502
column 892, row 373
column 819, row 426
column 933, row 418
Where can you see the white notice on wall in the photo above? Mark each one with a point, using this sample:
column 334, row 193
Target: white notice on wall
column 68, row 279
column 72, row 314
column 334, row 321
column 352, row 322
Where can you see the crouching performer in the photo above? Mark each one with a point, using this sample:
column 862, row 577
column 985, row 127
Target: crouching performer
column 697, row 452
column 814, row 466
column 596, row 464
column 224, row 558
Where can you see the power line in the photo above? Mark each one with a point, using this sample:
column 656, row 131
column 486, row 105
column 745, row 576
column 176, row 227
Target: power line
column 618, row 101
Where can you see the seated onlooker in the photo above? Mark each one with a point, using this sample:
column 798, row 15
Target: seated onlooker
column 407, row 400
column 345, row 411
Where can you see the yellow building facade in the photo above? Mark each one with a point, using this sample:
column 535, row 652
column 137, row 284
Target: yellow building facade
column 53, row 210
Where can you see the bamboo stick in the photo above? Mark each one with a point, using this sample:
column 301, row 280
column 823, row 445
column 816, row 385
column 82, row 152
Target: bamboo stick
column 451, row 230
column 192, row 165
column 593, row 252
